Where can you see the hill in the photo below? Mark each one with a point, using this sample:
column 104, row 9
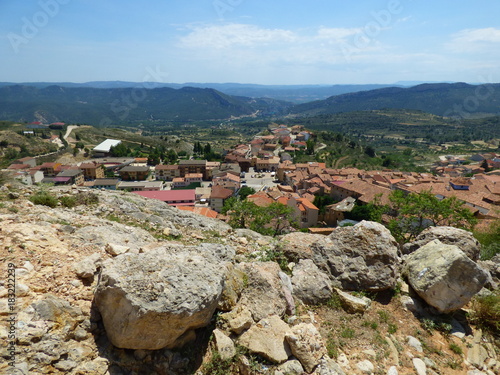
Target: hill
column 456, row 100
column 127, row 105
column 292, row 93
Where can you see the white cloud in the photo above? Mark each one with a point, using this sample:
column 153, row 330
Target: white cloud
column 474, row 40
column 235, row 35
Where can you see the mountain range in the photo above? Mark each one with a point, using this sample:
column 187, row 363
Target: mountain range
column 106, row 106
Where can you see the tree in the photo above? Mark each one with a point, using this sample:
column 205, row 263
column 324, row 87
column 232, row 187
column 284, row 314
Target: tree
column 272, row 220
column 245, row 191
column 485, row 166
column 415, row 212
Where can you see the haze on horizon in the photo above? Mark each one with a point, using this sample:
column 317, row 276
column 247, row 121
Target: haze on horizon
column 250, row 41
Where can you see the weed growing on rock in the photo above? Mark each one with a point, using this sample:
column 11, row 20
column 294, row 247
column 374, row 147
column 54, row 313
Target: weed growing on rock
column 456, row 348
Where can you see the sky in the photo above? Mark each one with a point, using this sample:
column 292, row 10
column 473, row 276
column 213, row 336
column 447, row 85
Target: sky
column 250, row 41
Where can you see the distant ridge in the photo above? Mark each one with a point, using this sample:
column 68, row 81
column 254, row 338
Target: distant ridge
column 104, row 106
column 443, row 99
column 292, row 93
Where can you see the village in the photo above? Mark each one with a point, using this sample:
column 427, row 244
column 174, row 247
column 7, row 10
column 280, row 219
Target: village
column 266, row 166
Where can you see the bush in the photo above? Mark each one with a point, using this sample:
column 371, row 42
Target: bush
column 87, row 198
column 485, row 312
column 44, row 198
column 68, row 201
column 490, row 241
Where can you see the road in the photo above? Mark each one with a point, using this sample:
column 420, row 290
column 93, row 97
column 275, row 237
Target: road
column 69, row 129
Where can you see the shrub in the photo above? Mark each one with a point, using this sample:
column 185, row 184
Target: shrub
column 44, row 198
column 68, row 201
column 87, row 198
column 490, row 241
column 485, row 312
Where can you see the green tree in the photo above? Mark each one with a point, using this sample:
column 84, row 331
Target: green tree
column 245, row 191
column 272, row 220
column 415, row 212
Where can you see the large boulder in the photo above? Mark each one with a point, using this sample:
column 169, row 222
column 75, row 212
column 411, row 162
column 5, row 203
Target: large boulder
column 155, row 300
column 297, row 245
column 444, row 276
column 310, row 284
column 463, row 239
column 361, row 257
column 264, row 292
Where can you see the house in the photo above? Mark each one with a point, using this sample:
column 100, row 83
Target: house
column 31, row 161
column 50, row 169
column 193, row 166
column 205, row 211
column 305, row 213
column 461, row 183
column 103, row 149
column 202, row 194
column 334, row 213
column 92, row 171
column 171, row 197
column 218, row 197
column 70, row 177
column 140, row 185
column 192, row 178
column 105, row 183
column 227, row 180
column 134, row 173
column 167, row 172
column 179, row 182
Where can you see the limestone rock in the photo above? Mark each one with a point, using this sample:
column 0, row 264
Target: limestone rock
column 328, row 366
column 415, row 343
column 463, row 239
column 444, row 276
column 224, row 345
column 365, row 367
column 353, row 304
column 264, row 293
column 87, row 267
column 233, row 286
column 116, row 250
column 306, row 345
column 310, row 284
column 420, row 366
column 267, row 338
column 361, row 257
column 291, row 367
column 153, row 300
column 297, row 246
column 238, row 320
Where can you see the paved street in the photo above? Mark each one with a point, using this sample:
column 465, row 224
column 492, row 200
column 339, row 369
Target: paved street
column 258, row 183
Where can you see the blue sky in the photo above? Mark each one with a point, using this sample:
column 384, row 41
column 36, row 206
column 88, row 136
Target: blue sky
column 250, row 41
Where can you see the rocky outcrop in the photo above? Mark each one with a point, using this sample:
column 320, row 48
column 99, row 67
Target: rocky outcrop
column 155, row 300
column 361, row 257
column 444, row 276
column 59, row 255
column 463, row 239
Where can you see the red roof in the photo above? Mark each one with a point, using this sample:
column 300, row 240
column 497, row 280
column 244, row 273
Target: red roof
column 169, row 195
